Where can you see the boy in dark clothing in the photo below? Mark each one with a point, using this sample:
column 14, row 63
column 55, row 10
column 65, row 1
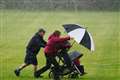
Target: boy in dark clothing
column 32, row 50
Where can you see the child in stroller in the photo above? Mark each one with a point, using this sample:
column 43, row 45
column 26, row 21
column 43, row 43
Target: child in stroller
column 70, row 63
column 75, row 58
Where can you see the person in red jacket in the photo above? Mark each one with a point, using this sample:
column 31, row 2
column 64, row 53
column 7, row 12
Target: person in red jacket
column 51, row 50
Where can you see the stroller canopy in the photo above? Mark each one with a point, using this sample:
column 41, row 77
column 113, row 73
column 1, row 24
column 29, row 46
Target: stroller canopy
column 74, row 55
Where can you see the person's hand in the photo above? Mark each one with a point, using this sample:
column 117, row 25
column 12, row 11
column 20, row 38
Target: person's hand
column 70, row 46
column 71, row 38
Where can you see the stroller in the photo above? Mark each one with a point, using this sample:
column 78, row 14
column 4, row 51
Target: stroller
column 71, row 71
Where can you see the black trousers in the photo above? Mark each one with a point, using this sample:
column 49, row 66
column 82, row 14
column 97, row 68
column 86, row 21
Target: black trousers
column 49, row 61
column 66, row 58
column 30, row 58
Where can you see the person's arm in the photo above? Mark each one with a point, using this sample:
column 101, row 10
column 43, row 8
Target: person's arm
column 64, row 46
column 35, row 42
column 67, row 46
column 62, row 39
column 43, row 43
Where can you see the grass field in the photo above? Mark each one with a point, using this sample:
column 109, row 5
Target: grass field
column 17, row 27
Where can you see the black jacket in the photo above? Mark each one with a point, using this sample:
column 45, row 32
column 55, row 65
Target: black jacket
column 36, row 43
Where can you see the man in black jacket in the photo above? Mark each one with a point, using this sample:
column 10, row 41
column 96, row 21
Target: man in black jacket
column 32, row 50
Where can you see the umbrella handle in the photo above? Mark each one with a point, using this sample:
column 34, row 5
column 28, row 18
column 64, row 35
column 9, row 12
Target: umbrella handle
column 73, row 43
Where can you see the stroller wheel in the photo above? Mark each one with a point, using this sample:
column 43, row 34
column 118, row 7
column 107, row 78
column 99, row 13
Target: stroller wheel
column 73, row 75
column 50, row 74
column 53, row 76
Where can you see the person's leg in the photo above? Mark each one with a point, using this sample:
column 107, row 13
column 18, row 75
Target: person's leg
column 27, row 61
column 17, row 71
column 54, row 62
column 67, row 60
column 35, row 68
column 22, row 66
column 57, row 71
column 45, row 68
column 34, row 62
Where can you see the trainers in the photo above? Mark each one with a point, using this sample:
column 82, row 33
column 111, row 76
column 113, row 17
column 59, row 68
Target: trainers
column 17, row 72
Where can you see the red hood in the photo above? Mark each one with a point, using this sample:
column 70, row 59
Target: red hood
column 50, row 36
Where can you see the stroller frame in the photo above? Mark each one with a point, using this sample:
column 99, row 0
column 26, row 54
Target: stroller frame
column 74, row 68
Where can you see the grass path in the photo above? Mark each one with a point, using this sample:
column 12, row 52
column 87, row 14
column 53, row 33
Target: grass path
column 17, row 27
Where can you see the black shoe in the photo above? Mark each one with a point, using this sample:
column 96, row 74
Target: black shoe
column 17, row 72
column 37, row 75
column 40, row 76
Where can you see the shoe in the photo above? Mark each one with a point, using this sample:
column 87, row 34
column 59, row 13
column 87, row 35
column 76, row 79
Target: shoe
column 37, row 75
column 40, row 76
column 17, row 72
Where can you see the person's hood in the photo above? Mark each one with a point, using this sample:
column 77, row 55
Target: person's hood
column 51, row 36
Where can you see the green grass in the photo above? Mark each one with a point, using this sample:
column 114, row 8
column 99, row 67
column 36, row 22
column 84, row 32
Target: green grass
column 17, row 27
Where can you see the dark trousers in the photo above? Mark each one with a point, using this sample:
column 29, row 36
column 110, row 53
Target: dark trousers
column 30, row 58
column 49, row 60
column 66, row 58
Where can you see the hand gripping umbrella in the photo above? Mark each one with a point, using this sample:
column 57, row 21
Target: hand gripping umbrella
column 81, row 35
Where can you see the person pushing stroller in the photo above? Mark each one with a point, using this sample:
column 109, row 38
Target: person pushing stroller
column 35, row 44
column 51, row 49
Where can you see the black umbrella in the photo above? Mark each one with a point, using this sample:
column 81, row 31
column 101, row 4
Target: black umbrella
column 81, row 35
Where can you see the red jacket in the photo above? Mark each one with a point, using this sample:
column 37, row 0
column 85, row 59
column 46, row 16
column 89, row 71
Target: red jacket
column 53, row 44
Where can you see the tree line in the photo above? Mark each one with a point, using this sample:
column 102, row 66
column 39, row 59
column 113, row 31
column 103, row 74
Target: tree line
column 61, row 4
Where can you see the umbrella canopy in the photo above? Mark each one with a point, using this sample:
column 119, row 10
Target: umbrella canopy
column 80, row 34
